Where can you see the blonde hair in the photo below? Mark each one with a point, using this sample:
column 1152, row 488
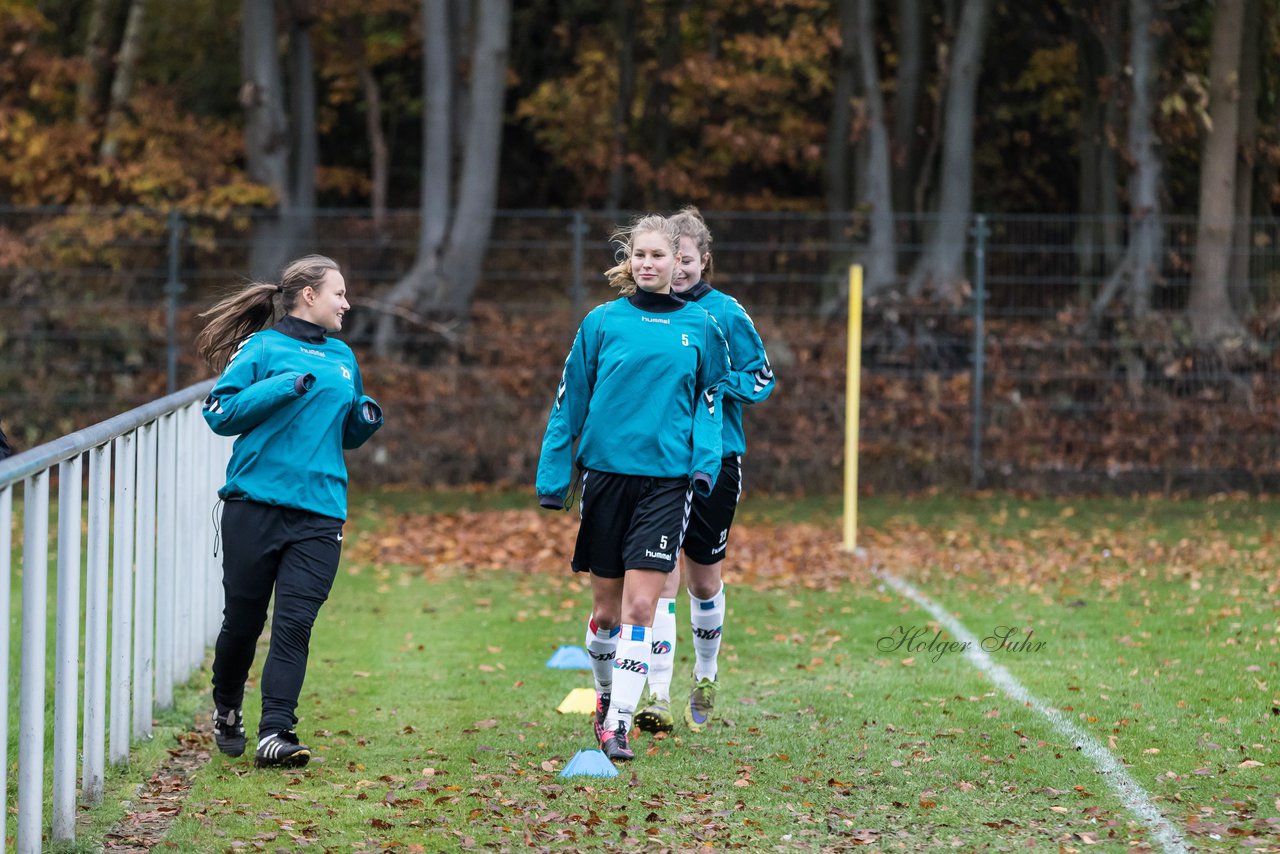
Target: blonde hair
column 236, row 317
column 689, row 223
column 620, row 275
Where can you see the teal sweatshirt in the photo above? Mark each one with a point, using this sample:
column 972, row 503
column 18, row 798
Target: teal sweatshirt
column 295, row 399
column 750, row 378
column 641, row 395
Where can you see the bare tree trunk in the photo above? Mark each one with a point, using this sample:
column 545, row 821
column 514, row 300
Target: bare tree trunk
column 478, row 181
column 1238, row 278
column 838, row 125
column 305, row 144
column 906, row 105
column 943, row 264
column 1209, row 308
column 923, row 190
column 462, row 29
column 97, row 65
column 1147, row 233
column 379, row 165
column 122, row 84
column 1112, row 118
column 624, row 18
column 437, row 168
column 877, row 194
column 1140, row 266
column 266, row 130
column 658, row 105
column 837, row 158
column 452, row 241
column 1098, row 29
column 438, row 120
column 1091, row 143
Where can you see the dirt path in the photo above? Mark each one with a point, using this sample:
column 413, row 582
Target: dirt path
column 159, row 799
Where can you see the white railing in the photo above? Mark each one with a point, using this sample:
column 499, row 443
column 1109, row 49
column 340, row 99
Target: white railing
column 150, row 581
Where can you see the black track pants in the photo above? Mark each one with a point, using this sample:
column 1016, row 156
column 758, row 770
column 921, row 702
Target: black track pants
column 296, row 554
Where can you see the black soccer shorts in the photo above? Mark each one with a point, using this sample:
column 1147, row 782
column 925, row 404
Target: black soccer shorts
column 707, row 539
column 630, row 522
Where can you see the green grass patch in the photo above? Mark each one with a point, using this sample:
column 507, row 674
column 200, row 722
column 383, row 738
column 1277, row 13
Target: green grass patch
column 432, row 715
column 1158, row 634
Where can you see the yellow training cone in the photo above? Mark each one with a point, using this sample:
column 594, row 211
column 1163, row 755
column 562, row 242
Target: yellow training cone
column 581, row 701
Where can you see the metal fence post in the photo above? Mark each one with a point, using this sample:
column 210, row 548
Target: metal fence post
column 144, row 609
column 173, row 289
column 35, row 596
column 980, row 233
column 95, row 633
column 67, row 653
column 6, row 569
column 578, row 291
column 189, row 604
column 122, row 600
column 166, row 554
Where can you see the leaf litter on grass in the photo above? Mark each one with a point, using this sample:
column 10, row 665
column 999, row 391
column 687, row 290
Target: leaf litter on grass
column 538, row 542
column 1049, row 556
column 495, row 807
column 806, row 554
column 160, row 798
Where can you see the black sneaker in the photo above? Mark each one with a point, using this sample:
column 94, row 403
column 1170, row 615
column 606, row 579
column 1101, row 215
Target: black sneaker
column 602, row 709
column 228, row 731
column 281, row 750
column 614, row 745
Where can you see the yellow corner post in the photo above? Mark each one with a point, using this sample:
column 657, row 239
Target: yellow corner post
column 852, row 395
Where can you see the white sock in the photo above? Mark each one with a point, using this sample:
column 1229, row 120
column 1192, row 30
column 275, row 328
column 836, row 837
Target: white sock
column 602, row 645
column 663, row 649
column 707, row 617
column 629, row 671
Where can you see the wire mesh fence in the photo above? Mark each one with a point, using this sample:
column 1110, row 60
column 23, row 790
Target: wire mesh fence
column 101, row 306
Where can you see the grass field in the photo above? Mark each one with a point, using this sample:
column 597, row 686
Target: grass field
column 850, row 716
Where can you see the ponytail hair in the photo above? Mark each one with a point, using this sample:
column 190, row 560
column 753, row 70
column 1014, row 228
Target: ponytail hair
column 689, row 223
column 620, row 275
column 239, row 315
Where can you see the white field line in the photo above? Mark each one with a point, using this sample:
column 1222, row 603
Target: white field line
column 1127, row 789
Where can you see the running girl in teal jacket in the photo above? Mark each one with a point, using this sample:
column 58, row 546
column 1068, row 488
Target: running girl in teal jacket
column 705, row 544
column 641, row 395
column 294, row 399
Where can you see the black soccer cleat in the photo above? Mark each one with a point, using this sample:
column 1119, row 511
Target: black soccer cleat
column 281, row 750
column 228, row 731
column 602, row 709
column 614, row 745
column 656, row 717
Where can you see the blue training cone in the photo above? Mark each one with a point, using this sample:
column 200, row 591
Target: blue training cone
column 569, row 658
column 589, row 763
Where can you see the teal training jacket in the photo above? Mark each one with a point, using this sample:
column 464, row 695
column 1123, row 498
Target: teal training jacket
column 751, row 377
column 640, row 393
column 295, row 399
